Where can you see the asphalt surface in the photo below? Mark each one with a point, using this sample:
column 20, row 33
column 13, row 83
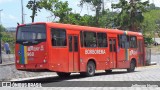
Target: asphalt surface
column 147, row 73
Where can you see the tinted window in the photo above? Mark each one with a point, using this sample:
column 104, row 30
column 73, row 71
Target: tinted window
column 110, row 45
column 90, row 39
column 75, row 43
column 31, row 33
column 81, row 37
column 102, row 39
column 123, row 41
column 133, row 42
column 58, row 37
column 70, row 43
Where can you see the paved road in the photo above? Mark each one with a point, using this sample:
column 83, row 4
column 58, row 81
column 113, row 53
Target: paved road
column 7, row 58
column 148, row 73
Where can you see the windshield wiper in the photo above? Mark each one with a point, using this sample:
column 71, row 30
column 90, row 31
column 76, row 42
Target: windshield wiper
column 25, row 42
column 34, row 41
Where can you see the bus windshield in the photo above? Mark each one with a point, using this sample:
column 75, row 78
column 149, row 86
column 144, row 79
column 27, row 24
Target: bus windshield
column 31, row 34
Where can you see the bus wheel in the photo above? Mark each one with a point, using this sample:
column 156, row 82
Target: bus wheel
column 90, row 69
column 62, row 74
column 132, row 66
column 108, row 71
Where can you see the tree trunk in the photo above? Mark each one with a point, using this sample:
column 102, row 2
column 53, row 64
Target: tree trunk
column 97, row 17
column 34, row 11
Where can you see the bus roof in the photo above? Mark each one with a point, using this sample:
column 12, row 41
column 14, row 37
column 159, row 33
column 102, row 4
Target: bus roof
column 86, row 28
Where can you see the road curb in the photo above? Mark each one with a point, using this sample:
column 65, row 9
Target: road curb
column 11, row 63
column 153, row 63
column 32, row 78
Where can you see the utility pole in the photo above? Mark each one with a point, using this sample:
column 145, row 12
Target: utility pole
column 22, row 12
column 24, row 17
column 0, row 37
column 103, row 6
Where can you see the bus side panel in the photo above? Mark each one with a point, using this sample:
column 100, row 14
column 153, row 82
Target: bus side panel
column 59, row 59
column 58, row 55
column 122, row 54
column 99, row 55
column 134, row 54
column 141, row 53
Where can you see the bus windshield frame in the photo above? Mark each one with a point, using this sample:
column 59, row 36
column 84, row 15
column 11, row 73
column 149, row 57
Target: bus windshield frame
column 31, row 34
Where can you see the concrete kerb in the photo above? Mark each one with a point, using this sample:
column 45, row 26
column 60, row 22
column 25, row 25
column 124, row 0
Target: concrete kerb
column 11, row 63
column 32, row 78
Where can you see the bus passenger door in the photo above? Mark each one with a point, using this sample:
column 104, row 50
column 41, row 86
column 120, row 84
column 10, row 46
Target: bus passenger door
column 140, row 53
column 112, row 55
column 73, row 53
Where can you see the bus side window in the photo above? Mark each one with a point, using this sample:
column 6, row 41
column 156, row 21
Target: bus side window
column 70, row 43
column 90, row 39
column 58, row 37
column 110, row 45
column 102, row 39
column 123, row 41
column 133, row 42
column 81, row 38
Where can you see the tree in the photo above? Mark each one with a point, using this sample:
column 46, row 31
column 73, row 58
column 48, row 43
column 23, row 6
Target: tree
column 96, row 7
column 131, row 14
column 107, row 19
column 35, row 7
column 62, row 11
column 1, row 30
column 57, row 8
column 87, row 20
column 151, row 23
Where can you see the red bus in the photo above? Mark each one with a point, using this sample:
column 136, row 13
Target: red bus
column 66, row 49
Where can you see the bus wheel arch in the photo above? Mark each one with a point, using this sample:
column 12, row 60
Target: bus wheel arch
column 92, row 60
column 90, row 68
column 132, row 65
column 134, row 60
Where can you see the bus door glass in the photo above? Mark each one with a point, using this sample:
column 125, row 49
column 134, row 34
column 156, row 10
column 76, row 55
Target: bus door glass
column 112, row 46
column 73, row 53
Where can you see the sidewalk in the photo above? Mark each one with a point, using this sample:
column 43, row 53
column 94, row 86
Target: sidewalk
column 7, row 58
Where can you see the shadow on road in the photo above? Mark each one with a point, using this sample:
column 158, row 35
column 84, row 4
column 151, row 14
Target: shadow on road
column 74, row 76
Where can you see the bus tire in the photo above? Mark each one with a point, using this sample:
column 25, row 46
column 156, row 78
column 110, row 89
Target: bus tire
column 63, row 74
column 108, row 71
column 132, row 66
column 90, row 69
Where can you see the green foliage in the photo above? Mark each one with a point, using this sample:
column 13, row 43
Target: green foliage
column 61, row 10
column 131, row 14
column 107, row 19
column 148, row 40
column 35, row 7
column 96, row 4
column 7, row 37
column 48, row 4
column 2, row 29
column 151, row 22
